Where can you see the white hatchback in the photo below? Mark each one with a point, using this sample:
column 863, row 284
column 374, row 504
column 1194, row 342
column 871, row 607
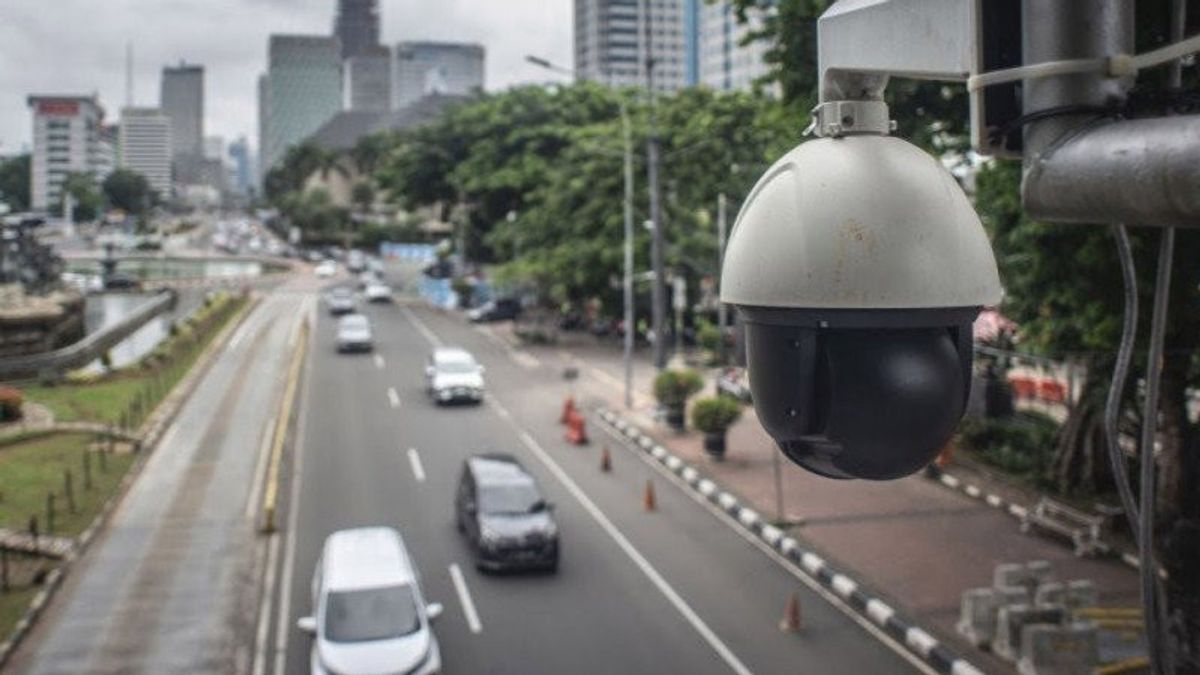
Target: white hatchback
column 369, row 616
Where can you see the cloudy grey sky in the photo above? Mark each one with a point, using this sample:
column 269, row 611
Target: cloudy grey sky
column 78, row 46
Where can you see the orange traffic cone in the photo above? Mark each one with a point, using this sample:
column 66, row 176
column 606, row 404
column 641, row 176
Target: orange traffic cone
column 567, row 410
column 790, row 622
column 649, row 503
column 605, row 460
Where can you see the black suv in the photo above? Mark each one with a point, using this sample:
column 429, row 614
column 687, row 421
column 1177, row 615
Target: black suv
column 501, row 511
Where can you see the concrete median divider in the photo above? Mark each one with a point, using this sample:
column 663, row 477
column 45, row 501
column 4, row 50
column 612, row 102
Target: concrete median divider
column 270, row 505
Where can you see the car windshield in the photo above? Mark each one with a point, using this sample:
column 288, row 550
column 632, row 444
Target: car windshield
column 355, row 323
column 457, row 367
column 371, row 614
column 342, row 294
column 509, row 498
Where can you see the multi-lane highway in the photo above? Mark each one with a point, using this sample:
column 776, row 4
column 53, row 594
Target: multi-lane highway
column 676, row 590
column 181, row 582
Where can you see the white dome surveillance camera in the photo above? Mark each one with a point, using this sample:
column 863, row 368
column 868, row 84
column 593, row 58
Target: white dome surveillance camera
column 858, row 266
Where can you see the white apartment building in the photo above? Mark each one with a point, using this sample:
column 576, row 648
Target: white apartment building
column 614, row 40
column 146, row 146
column 725, row 64
column 66, row 139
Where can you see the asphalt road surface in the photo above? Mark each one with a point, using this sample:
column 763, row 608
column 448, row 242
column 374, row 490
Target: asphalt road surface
column 181, row 582
column 673, row 591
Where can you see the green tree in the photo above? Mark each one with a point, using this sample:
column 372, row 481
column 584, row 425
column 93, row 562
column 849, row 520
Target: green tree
column 88, row 201
column 363, row 196
column 14, row 182
column 129, row 191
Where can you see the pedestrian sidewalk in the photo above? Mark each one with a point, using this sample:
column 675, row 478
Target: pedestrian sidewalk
column 914, row 541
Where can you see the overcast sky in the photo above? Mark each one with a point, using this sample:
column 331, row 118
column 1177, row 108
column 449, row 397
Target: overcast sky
column 78, row 47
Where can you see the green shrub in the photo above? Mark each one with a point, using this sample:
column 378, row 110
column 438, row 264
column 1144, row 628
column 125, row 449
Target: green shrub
column 1022, row 445
column 716, row 414
column 674, row 387
column 11, row 400
column 709, row 337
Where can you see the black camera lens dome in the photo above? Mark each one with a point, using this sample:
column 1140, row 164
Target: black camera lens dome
column 851, row 402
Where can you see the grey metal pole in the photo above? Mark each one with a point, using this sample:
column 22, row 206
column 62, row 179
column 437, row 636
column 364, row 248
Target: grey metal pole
column 630, row 328
column 659, row 294
column 722, row 205
column 777, row 469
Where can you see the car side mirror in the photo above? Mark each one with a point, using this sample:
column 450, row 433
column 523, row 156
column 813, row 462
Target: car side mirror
column 433, row 610
column 482, row 370
column 308, row 624
column 429, row 371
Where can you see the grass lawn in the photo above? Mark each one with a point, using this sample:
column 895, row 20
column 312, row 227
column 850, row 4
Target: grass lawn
column 12, row 607
column 34, row 468
column 106, row 399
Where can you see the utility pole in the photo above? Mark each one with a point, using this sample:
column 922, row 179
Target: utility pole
column 722, row 312
column 630, row 328
column 659, row 294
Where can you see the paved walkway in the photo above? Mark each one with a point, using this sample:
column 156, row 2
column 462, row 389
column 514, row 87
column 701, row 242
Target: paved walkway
column 914, row 541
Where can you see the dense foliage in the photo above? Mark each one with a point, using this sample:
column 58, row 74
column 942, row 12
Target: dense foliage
column 14, row 182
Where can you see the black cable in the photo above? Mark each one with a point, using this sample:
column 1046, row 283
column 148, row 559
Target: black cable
column 998, row 134
column 1112, row 405
column 1146, row 560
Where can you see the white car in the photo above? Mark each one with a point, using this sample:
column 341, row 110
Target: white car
column 354, row 334
column 369, row 615
column 378, row 292
column 326, row 269
column 452, row 374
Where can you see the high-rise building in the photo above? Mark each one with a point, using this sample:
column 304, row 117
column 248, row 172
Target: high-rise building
column 303, row 90
column 614, row 40
column 146, row 137
column 424, row 68
column 357, row 26
column 243, row 173
column 183, row 101
column 264, row 114
column 367, row 80
column 67, row 138
column 725, row 63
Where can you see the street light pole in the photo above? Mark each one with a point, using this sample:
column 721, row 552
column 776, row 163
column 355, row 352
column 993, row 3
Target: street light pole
column 630, row 329
column 627, row 133
column 659, row 295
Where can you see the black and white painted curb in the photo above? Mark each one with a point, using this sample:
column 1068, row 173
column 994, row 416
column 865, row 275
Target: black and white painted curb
column 995, row 501
column 915, row 639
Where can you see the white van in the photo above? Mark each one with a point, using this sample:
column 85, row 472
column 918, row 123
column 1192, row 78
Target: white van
column 369, row 615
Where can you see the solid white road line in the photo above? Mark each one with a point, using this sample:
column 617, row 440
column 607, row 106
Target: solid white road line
column 783, row 562
column 260, row 468
column 672, row 596
column 735, row 664
column 415, row 460
column 379, row 362
column 264, row 608
column 429, row 335
column 393, row 397
column 237, row 336
column 283, row 617
column 169, row 437
column 464, row 597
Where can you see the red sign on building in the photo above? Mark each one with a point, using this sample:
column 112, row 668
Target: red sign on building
column 58, row 108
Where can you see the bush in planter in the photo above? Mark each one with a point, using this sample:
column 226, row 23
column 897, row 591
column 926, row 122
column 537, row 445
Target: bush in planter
column 672, row 388
column 714, row 416
column 11, row 399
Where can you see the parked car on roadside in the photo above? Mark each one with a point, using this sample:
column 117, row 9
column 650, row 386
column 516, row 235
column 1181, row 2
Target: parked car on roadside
column 368, row 612
column 500, row 309
column 452, row 374
column 504, row 516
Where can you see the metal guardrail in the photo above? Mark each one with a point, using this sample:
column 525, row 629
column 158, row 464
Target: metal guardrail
column 90, row 347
